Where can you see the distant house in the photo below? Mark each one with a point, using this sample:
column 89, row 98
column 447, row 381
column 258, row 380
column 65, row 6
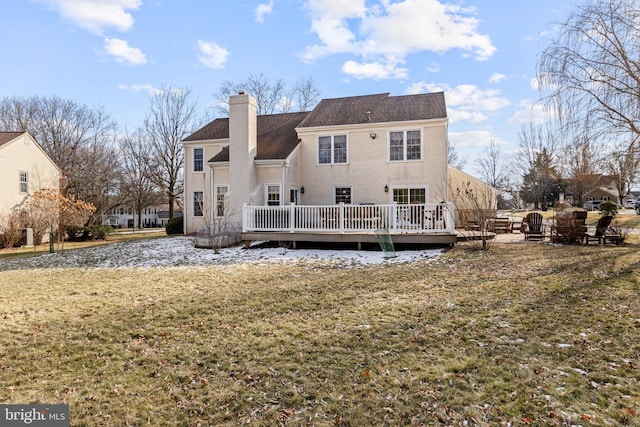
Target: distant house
column 349, row 167
column 24, row 169
column 127, row 217
column 604, row 189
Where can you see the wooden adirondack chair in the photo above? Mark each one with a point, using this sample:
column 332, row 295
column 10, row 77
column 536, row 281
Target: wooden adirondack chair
column 532, row 227
column 603, row 232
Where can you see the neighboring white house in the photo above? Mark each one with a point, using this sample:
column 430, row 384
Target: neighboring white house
column 127, row 217
column 349, row 153
column 24, row 169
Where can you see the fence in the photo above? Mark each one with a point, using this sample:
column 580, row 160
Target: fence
column 417, row 218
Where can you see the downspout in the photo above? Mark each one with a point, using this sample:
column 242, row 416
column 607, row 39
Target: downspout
column 284, row 176
column 213, row 201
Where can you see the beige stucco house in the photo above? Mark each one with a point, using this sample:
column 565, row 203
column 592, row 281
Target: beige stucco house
column 24, row 169
column 337, row 173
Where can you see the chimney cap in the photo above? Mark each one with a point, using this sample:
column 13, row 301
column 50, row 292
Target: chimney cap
column 241, row 92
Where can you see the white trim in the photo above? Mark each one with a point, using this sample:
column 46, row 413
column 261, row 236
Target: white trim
column 215, row 199
column 26, row 173
column 404, row 131
column 193, row 159
column 332, row 136
column 377, row 126
column 266, row 193
column 424, row 187
column 193, row 208
column 333, row 192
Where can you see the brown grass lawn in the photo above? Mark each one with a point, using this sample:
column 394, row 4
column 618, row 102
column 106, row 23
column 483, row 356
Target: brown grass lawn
column 527, row 334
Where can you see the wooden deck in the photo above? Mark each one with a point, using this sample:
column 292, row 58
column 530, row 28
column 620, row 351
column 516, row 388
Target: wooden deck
column 426, row 224
column 355, row 238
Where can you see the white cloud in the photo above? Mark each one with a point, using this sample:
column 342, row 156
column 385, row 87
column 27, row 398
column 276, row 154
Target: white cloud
column 212, row 55
column 465, row 102
column 434, row 67
column 95, row 16
column 262, row 10
column 373, row 70
column 123, row 53
column 137, row 88
column 497, row 78
column 388, row 31
column 474, row 138
column 531, row 112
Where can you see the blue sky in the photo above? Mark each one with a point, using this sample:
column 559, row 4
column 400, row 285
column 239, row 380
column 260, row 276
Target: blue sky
column 115, row 53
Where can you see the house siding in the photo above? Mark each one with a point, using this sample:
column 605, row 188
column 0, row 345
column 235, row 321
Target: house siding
column 23, row 153
column 367, row 171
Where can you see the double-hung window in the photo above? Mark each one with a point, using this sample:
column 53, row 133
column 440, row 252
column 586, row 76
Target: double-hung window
column 342, row 195
column 405, row 145
column 198, row 159
column 273, row 195
column 198, row 203
column 332, row 149
column 221, row 192
column 24, row 182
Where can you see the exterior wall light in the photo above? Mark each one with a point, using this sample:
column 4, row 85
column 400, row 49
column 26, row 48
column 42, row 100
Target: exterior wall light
column 386, row 188
column 373, row 135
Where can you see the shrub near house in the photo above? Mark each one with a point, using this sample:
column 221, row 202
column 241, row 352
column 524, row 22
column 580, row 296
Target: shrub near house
column 175, row 226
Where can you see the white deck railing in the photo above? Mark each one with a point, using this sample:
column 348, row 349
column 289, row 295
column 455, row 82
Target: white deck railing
column 425, row 218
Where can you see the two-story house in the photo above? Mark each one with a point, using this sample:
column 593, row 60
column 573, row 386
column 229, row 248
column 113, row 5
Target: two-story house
column 24, row 169
column 340, row 172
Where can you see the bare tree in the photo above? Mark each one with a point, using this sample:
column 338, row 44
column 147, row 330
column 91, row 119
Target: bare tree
column 79, row 139
column 307, row 93
column 537, row 162
column 475, row 205
column 453, row 157
column 622, row 164
column 11, row 225
column 494, row 171
column 590, row 72
column 581, row 163
column 271, row 97
column 171, row 115
column 219, row 230
column 137, row 185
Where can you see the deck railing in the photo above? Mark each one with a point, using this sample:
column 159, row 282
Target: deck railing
column 422, row 218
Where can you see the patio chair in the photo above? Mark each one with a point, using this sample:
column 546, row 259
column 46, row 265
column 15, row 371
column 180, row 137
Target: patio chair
column 603, row 232
column 532, row 227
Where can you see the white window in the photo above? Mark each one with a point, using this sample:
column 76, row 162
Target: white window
column 273, row 195
column 198, row 159
column 221, row 192
column 198, row 201
column 332, row 149
column 342, row 195
column 405, row 145
column 24, row 182
column 410, row 196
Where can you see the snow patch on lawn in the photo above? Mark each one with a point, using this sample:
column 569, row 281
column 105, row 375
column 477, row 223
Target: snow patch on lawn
column 180, row 252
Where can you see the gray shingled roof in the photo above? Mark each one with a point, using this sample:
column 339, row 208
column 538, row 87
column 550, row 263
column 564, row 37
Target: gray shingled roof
column 277, row 136
column 379, row 108
column 8, row 136
column 217, row 129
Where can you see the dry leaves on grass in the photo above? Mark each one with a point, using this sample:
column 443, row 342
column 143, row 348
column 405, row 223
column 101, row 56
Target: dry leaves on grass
column 466, row 337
